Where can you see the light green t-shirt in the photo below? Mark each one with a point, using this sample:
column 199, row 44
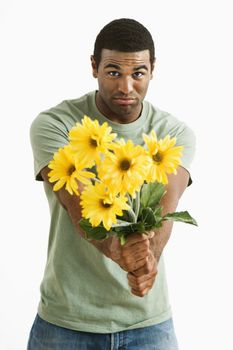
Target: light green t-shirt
column 81, row 288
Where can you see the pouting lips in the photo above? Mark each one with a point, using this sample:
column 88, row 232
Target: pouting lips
column 124, row 101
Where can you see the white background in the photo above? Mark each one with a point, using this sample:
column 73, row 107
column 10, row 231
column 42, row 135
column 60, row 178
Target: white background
column 44, row 58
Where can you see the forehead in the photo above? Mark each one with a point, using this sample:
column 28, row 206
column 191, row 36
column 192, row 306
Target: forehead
column 125, row 58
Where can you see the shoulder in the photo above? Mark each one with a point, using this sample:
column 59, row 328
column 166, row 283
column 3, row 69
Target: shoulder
column 165, row 123
column 62, row 116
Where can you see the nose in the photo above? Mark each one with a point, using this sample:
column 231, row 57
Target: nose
column 125, row 85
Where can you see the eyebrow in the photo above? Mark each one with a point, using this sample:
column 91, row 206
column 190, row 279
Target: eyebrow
column 116, row 66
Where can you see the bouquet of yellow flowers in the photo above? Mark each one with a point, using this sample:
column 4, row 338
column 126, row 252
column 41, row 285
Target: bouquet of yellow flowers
column 123, row 182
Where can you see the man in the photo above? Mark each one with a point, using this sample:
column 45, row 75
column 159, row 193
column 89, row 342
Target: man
column 99, row 294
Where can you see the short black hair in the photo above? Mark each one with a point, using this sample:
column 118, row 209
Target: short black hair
column 125, row 35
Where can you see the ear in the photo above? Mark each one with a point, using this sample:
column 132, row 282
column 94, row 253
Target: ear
column 94, row 67
column 152, row 69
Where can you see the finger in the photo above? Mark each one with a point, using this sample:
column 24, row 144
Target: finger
column 131, row 255
column 132, row 265
column 135, row 238
column 144, row 281
column 141, row 255
column 150, row 234
column 148, row 267
column 140, row 293
column 133, row 280
column 139, row 240
column 144, row 285
column 142, row 270
column 135, row 253
column 136, row 247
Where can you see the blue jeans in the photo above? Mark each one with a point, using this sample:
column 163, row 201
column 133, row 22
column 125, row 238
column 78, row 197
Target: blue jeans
column 47, row 336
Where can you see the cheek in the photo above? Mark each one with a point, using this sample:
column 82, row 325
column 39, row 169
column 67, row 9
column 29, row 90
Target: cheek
column 105, row 86
column 146, row 85
column 142, row 88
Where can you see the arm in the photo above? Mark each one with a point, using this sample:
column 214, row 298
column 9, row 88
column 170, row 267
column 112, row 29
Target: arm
column 175, row 188
column 132, row 256
column 142, row 280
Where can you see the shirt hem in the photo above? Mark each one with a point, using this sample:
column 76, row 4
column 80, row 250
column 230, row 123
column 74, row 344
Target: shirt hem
column 87, row 327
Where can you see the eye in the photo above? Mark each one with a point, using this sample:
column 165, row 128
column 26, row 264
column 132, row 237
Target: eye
column 138, row 75
column 114, row 73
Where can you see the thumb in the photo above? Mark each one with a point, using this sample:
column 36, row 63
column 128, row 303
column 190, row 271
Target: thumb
column 151, row 234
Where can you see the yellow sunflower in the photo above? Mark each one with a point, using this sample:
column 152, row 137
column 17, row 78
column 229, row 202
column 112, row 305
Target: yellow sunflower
column 66, row 169
column 101, row 205
column 89, row 139
column 126, row 168
column 165, row 157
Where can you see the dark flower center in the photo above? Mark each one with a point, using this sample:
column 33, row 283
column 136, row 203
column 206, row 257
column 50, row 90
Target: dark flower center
column 105, row 205
column 157, row 157
column 71, row 170
column 93, row 142
column 125, row 164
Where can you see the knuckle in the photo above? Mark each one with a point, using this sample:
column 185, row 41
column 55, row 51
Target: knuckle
column 146, row 244
column 127, row 261
column 154, row 274
column 124, row 253
column 137, row 281
column 125, row 257
column 143, row 292
column 128, row 265
column 140, row 293
column 147, row 268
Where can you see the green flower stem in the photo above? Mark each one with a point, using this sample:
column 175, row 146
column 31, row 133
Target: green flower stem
column 132, row 215
column 137, row 204
column 130, row 211
column 129, row 200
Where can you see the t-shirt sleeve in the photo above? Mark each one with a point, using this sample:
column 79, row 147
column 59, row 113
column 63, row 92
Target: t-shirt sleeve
column 187, row 139
column 47, row 135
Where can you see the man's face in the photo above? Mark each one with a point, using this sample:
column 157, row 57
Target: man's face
column 123, row 79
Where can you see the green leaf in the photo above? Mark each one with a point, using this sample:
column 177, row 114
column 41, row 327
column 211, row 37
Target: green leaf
column 158, row 224
column 126, row 230
column 97, row 233
column 151, row 195
column 123, row 231
column 158, row 213
column 182, row 216
column 148, row 218
column 137, row 227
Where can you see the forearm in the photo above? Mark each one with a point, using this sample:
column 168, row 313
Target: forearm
column 160, row 239
column 71, row 203
column 75, row 215
column 169, row 203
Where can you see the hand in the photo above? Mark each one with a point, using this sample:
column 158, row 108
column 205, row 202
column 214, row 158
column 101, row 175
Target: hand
column 133, row 255
column 142, row 280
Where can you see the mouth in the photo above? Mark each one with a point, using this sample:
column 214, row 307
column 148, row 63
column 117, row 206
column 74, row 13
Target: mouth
column 124, row 101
